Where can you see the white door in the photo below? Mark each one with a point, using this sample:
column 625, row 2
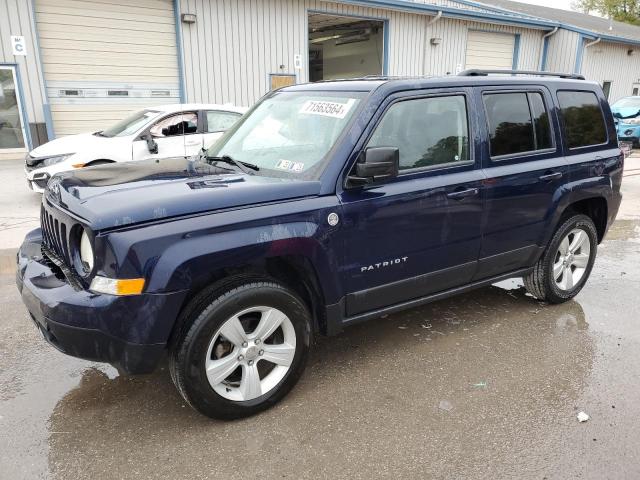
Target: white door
column 12, row 127
column 216, row 122
column 490, row 50
column 175, row 136
column 104, row 59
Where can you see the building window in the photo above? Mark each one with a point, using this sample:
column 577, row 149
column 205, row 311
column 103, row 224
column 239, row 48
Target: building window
column 583, row 119
column 606, row 88
column 518, row 123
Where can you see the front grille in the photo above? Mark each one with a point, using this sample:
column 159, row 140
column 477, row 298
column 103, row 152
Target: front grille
column 55, row 235
column 56, row 244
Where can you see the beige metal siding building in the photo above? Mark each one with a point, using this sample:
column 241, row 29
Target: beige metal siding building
column 87, row 63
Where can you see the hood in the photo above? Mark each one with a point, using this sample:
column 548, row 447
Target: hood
column 71, row 144
column 625, row 112
column 127, row 193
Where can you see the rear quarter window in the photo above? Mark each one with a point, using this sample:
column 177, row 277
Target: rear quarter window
column 582, row 117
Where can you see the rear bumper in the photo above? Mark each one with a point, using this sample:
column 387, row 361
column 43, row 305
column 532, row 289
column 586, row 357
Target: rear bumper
column 129, row 332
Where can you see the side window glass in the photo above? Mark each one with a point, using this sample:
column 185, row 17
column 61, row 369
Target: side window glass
column 180, row 124
column 427, row 131
column 219, row 121
column 540, row 121
column 510, row 125
column 583, row 119
column 518, row 123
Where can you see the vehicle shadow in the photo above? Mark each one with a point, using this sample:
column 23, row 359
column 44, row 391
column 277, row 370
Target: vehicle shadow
column 493, row 356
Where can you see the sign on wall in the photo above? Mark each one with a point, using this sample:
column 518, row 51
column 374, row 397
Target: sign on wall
column 18, row 45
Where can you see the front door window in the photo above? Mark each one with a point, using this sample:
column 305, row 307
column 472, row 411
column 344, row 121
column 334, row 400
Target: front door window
column 11, row 124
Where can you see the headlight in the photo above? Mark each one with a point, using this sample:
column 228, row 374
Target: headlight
column 86, row 253
column 631, row 121
column 47, row 162
column 117, row 286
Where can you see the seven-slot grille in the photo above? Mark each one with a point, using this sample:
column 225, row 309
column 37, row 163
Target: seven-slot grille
column 55, row 236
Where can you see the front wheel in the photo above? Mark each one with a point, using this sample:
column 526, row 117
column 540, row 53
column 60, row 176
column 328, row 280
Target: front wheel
column 242, row 349
column 566, row 264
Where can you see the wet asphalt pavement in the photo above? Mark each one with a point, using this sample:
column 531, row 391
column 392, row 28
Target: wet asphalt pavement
column 483, row 385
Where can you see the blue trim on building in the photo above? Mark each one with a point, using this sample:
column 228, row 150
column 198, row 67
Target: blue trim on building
column 500, row 15
column 46, row 108
column 579, row 54
column 181, row 72
column 451, row 12
column 24, row 115
column 23, row 107
column 48, row 121
column 385, row 48
column 516, row 51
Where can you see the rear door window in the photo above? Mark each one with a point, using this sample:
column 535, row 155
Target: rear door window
column 218, row 121
column 583, row 119
column 518, row 122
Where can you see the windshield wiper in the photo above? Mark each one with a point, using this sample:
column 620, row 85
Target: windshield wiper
column 246, row 167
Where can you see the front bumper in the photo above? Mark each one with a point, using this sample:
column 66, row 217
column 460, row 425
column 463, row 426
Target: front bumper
column 129, row 332
column 628, row 133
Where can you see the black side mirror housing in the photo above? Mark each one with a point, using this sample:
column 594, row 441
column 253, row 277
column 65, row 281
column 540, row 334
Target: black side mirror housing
column 152, row 145
column 376, row 164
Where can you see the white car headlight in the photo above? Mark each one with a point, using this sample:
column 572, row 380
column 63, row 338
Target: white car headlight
column 631, row 121
column 47, row 162
column 86, row 253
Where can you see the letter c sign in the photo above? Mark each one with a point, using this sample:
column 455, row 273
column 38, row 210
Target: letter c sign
column 18, row 45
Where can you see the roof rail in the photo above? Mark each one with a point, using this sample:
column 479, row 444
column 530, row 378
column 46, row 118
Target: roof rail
column 475, row 72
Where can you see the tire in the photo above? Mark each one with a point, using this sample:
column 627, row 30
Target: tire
column 570, row 274
column 210, row 338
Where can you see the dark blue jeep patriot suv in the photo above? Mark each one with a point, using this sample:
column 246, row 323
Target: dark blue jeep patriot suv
column 327, row 204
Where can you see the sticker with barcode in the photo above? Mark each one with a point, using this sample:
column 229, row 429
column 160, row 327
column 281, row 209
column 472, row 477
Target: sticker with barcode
column 327, row 109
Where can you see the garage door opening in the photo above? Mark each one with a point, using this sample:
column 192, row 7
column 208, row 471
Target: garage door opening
column 344, row 47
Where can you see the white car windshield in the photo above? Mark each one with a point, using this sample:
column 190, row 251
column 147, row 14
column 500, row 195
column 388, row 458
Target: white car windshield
column 131, row 124
column 290, row 133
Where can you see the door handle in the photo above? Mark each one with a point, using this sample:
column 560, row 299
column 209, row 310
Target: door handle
column 460, row 194
column 192, row 143
column 547, row 177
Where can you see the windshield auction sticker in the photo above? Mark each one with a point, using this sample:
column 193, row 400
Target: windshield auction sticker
column 327, row 109
column 290, row 166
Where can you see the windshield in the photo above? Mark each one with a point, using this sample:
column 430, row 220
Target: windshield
column 627, row 102
column 131, row 124
column 289, row 133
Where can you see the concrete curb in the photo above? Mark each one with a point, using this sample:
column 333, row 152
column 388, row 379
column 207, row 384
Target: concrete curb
column 8, row 261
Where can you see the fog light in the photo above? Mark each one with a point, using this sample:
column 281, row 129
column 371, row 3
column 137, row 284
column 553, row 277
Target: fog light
column 117, row 286
column 628, row 132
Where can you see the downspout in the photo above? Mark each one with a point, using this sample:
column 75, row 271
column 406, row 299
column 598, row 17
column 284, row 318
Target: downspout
column 580, row 53
column 545, row 48
column 437, row 17
column 597, row 40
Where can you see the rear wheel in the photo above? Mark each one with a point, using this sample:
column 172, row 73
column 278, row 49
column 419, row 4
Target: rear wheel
column 566, row 264
column 241, row 350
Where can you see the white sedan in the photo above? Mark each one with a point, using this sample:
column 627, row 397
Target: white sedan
column 157, row 132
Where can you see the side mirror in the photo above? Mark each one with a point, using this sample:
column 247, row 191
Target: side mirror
column 152, row 145
column 375, row 164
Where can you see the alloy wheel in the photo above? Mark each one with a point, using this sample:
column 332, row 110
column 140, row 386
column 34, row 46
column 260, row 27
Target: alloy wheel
column 571, row 259
column 250, row 353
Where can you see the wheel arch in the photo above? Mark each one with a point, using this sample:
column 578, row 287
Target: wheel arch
column 596, row 208
column 98, row 161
